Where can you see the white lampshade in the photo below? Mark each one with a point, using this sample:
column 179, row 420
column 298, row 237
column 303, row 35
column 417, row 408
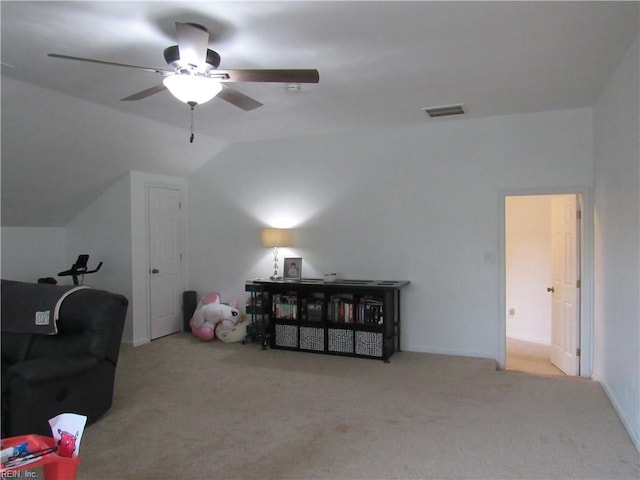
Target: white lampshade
column 276, row 237
column 192, row 88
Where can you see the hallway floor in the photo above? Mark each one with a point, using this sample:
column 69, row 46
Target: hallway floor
column 530, row 358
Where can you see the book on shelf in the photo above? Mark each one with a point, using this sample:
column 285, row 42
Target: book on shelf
column 285, row 306
column 340, row 309
column 370, row 311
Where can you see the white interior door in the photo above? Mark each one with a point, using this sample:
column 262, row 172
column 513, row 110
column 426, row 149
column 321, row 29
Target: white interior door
column 165, row 280
column 565, row 314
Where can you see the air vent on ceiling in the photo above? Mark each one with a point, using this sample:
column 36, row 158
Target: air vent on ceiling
column 445, row 110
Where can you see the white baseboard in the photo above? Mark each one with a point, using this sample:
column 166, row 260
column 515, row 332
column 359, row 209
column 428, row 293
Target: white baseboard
column 633, row 434
column 140, row 341
column 134, row 343
column 446, row 351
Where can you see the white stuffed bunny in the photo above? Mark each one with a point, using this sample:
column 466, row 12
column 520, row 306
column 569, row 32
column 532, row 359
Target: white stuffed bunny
column 208, row 314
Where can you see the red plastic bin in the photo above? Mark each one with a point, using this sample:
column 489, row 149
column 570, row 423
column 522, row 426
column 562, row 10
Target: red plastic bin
column 54, row 467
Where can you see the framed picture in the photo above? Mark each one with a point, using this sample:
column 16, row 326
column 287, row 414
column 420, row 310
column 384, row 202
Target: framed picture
column 292, row 268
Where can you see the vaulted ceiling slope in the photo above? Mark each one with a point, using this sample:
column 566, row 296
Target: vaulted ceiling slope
column 66, row 135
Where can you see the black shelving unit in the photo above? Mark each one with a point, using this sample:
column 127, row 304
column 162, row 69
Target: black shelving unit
column 258, row 311
column 359, row 318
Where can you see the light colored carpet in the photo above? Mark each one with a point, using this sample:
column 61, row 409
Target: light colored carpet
column 530, row 358
column 185, row 409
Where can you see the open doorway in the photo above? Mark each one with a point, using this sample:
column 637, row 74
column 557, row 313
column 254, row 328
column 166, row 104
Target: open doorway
column 542, row 283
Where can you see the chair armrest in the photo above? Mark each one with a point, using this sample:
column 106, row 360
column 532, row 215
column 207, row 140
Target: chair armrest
column 42, row 369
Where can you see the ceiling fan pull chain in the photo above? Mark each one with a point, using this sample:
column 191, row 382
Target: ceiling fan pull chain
column 192, row 105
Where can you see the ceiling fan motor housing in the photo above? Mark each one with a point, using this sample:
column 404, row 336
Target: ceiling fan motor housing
column 172, row 57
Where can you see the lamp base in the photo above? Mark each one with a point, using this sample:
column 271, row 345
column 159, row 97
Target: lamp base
column 275, row 277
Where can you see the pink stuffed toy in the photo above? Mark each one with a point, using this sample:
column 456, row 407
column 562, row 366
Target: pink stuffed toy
column 208, row 314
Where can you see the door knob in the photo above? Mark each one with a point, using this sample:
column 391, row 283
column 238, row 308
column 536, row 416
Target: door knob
column 155, row 270
column 550, row 289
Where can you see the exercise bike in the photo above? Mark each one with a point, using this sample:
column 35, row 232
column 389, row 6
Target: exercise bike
column 79, row 269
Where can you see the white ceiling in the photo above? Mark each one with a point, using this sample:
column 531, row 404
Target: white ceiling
column 379, row 64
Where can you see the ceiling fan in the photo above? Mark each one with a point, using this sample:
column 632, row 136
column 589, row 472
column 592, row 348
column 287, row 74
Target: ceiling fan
column 194, row 77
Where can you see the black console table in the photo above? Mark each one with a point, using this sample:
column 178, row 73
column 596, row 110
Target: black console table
column 359, row 318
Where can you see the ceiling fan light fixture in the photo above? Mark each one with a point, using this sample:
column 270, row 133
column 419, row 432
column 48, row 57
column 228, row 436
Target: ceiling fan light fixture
column 192, row 88
column 293, row 88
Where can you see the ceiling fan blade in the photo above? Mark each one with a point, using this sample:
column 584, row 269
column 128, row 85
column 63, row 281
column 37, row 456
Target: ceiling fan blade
column 278, row 76
column 145, row 93
column 102, row 62
column 238, row 99
column 193, row 41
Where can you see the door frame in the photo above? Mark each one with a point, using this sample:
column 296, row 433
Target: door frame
column 181, row 240
column 586, row 269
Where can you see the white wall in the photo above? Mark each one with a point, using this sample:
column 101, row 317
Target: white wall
column 617, row 239
column 113, row 229
column 528, row 267
column 29, row 253
column 414, row 203
column 103, row 230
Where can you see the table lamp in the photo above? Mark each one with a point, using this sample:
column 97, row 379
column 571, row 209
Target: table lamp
column 276, row 237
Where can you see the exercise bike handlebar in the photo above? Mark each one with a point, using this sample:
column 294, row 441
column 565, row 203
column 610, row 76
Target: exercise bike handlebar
column 79, row 268
column 94, row 271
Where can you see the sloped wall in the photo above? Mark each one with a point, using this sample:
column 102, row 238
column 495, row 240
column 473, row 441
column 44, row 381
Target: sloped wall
column 29, row 253
column 103, row 230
